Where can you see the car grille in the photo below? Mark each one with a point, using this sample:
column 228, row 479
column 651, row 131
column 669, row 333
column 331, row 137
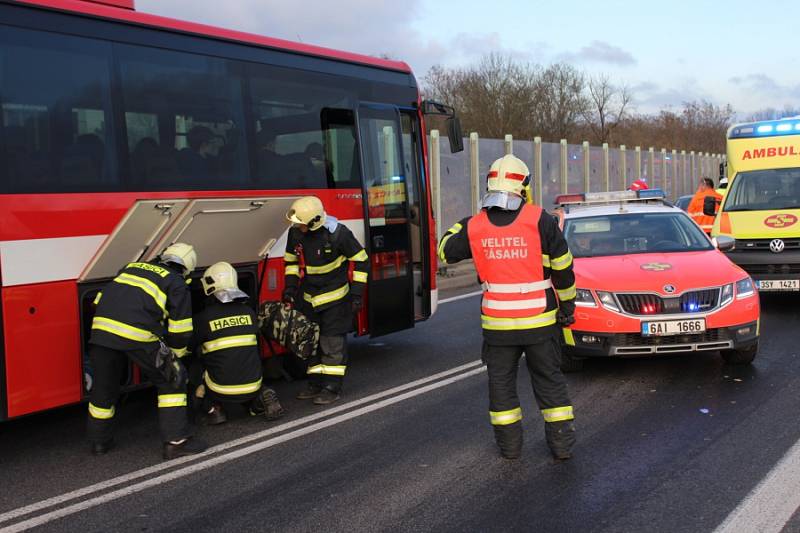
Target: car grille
column 651, row 304
column 762, row 245
column 772, row 269
column 636, row 339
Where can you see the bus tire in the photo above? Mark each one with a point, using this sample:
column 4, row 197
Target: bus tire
column 742, row 356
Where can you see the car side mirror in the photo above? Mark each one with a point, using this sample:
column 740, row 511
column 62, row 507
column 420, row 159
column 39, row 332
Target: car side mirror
column 723, row 243
column 710, row 206
column 455, row 135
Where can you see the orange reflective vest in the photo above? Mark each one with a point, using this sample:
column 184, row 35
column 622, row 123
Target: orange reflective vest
column 509, row 264
column 695, row 209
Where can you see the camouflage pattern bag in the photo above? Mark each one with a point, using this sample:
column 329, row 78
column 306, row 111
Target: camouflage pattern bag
column 288, row 327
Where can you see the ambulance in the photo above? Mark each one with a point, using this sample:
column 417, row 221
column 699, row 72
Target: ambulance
column 761, row 206
column 649, row 281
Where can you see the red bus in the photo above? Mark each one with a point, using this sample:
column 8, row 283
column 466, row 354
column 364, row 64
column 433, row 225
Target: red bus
column 122, row 132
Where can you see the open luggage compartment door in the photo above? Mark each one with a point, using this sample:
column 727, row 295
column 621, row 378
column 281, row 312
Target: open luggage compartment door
column 134, row 236
column 236, row 230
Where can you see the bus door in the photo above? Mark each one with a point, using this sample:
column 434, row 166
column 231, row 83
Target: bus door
column 388, row 228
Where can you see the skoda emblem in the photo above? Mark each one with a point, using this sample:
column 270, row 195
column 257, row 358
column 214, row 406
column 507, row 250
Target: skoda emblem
column 669, row 289
column 776, row 246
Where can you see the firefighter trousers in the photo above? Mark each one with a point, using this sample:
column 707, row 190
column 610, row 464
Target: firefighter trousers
column 326, row 368
column 108, row 366
column 549, row 387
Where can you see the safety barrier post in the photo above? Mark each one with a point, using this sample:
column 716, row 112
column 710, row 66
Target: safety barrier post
column 587, row 166
column 684, row 173
column 474, row 170
column 638, row 173
column 434, row 160
column 563, row 166
column 606, row 174
column 537, row 171
column 623, row 165
column 666, row 183
column 676, row 183
column 693, row 165
column 508, row 144
column 651, row 166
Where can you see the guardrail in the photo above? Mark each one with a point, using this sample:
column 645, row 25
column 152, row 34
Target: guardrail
column 458, row 180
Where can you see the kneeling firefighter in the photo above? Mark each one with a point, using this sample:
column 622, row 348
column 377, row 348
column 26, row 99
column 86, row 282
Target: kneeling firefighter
column 521, row 256
column 226, row 337
column 325, row 294
column 144, row 315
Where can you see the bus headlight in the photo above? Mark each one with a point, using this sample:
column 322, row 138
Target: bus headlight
column 607, row 299
column 584, row 298
column 744, row 288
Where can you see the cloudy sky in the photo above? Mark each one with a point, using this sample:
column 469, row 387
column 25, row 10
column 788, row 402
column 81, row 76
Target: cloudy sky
column 738, row 52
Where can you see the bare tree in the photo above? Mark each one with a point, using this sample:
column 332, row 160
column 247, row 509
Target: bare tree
column 770, row 113
column 608, row 106
column 559, row 102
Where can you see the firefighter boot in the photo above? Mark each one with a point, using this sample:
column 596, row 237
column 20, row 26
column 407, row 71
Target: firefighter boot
column 102, row 448
column 509, row 440
column 310, row 392
column 560, row 438
column 187, row 446
column 326, row 396
column 216, row 415
column 267, row 404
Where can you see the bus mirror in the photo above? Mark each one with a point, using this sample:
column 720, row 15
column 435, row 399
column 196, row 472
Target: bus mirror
column 722, row 170
column 710, row 206
column 455, row 135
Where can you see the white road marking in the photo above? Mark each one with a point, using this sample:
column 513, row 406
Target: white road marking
column 772, row 503
column 460, row 297
column 468, row 370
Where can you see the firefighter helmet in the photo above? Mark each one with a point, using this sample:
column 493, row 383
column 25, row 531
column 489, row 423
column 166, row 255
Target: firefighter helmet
column 308, row 211
column 220, row 279
column 181, row 254
column 508, row 174
column 638, row 185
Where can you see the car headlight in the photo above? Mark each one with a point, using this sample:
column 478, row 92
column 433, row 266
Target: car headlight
column 745, row 288
column 727, row 294
column 607, row 299
column 584, row 298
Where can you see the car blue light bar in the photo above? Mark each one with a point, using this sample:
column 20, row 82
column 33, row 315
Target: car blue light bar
column 790, row 126
column 648, row 194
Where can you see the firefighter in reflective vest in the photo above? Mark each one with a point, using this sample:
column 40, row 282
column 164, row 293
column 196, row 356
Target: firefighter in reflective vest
column 145, row 304
column 695, row 209
column 226, row 339
column 326, row 294
column 523, row 262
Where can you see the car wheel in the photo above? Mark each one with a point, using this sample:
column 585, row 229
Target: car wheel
column 740, row 357
column 570, row 364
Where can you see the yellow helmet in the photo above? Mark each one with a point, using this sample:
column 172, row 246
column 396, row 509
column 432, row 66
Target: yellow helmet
column 182, row 254
column 221, row 280
column 508, row 174
column 307, row 210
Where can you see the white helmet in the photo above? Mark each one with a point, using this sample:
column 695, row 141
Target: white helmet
column 220, row 279
column 181, row 254
column 507, row 179
column 308, row 211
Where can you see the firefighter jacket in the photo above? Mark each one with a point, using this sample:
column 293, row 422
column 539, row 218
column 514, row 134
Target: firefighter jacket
column 326, row 257
column 695, row 209
column 145, row 303
column 523, row 262
column 226, row 340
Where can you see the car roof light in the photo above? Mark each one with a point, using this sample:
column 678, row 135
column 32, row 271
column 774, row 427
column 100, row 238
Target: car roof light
column 611, row 196
column 564, row 199
column 648, row 194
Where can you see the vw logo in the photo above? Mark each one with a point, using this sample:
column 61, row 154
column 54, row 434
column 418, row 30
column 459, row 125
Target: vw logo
column 669, row 289
column 776, row 246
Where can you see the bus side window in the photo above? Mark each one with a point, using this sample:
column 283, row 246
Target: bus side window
column 55, row 107
column 184, row 118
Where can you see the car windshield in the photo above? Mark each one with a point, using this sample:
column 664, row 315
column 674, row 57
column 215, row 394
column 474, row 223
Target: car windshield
column 765, row 189
column 634, row 233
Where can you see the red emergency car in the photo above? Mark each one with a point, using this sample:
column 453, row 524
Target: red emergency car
column 649, row 281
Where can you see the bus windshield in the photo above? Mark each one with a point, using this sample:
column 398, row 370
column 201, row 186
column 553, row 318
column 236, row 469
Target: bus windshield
column 765, row 189
column 633, row 234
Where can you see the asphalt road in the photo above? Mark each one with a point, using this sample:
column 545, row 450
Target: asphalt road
column 665, row 444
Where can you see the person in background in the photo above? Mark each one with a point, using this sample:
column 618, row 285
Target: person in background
column 695, row 209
